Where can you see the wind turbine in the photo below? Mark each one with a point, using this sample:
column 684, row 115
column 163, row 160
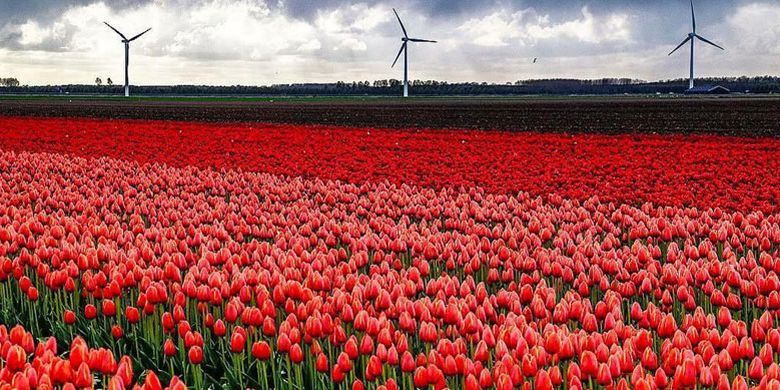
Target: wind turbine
column 405, row 50
column 692, row 36
column 127, row 54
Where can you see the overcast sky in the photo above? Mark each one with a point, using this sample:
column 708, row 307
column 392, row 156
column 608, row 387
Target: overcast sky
column 255, row 42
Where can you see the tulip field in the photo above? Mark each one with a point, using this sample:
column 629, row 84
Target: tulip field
column 161, row 254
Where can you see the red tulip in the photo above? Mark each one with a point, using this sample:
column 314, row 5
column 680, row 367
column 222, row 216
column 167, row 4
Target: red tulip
column 237, row 342
column 739, row 383
column 69, row 317
column 661, row 379
column 132, row 314
column 15, row 358
column 756, row 369
column 90, row 311
column 115, row 383
column 366, row 345
column 108, row 308
column 589, row 364
column 344, row 362
column 195, row 355
column 79, row 352
column 504, row 382
column 219, row 328
column 117, row 332
column 83, row 377
column 724, row 317
column 296, row 354
column 283, row 343
column 261, row 350
column 152, row 382
column 125, row 370
column 321, row 363
column 603, row 377
column 421, row 377
column 542, row 381
column 20, row 382
column 169, row 348
column 32, row 294
column 667, row 326
column 176, row 384
column 61, row 371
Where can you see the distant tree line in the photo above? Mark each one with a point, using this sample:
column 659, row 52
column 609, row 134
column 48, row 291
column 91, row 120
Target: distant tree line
column 608, row 86
column 9, row 82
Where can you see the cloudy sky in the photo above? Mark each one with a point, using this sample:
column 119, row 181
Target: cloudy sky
column 226, row 42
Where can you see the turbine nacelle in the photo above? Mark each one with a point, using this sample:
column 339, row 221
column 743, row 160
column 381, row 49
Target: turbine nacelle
column 405, row 39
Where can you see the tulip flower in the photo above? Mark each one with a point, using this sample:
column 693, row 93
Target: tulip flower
column 90, row 312
column 15, row 358
column 69, row 317
column 261, row 350
column 117, row 332
column 237, row 342
column 296, row 354
column 169, row 349
column 195, row 355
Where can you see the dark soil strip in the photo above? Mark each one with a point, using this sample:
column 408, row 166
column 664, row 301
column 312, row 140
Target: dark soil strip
column 726, row 116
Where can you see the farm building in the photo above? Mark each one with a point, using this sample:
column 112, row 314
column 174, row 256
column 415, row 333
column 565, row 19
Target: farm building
column 708, row 90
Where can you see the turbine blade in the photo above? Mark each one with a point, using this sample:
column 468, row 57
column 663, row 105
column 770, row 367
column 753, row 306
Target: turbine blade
column 403, row 47
column 139, row 35
column 693, row 17
column 116, row 31
column 421, row 40
column 701, row 38
column 680, row 45
column 401, row 23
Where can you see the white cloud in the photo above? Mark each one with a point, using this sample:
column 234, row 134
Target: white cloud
column 351, row 43
column 346, row 28
column 755, row 28
column 527, row 27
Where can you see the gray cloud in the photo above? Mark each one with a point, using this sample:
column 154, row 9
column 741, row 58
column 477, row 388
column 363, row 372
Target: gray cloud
column 18, row 11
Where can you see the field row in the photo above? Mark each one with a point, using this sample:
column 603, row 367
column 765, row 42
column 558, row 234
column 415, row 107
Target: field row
column 701, row 171
column 234, row 278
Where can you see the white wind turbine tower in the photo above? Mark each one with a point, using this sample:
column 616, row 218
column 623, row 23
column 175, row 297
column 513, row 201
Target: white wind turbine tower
column 692, row 36
column 405, row 50
column 127, row 54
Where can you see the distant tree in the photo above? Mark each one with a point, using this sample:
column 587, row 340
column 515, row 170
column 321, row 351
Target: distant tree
column 109, row 81
column 9, row 82
column 98, row 81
